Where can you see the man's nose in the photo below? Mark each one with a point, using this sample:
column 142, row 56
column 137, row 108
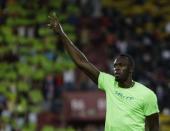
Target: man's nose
column 117, row 69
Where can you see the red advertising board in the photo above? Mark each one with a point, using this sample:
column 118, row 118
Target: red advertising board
column 84, row 105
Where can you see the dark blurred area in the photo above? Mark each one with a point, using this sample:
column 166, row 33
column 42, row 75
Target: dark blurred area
column 36, row 73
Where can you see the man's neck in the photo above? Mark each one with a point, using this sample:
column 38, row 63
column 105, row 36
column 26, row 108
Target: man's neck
column 126, row 84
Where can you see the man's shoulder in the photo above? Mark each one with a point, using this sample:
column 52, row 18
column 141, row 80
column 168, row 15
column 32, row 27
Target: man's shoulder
column 107, row 75
column 105, row 80
column 144, row 89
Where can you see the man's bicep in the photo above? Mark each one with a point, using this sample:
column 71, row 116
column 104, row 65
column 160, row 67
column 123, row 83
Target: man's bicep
column 91, row 71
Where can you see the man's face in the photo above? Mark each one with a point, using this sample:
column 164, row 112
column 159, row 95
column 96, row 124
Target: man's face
column 121, row 69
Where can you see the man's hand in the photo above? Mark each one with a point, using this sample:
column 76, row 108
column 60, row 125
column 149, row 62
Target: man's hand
column 54, row 24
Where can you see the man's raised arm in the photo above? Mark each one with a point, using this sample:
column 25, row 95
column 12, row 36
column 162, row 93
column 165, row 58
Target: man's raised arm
column 78, row 57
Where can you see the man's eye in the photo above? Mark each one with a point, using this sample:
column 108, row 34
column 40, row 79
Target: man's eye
column 115, row 66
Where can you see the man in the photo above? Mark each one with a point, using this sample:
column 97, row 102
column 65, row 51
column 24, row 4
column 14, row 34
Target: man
column 130, row 105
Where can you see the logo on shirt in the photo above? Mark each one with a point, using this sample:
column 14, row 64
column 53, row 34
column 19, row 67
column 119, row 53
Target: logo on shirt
column 122, row 96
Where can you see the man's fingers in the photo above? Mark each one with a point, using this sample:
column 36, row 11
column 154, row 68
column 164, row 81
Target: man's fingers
column 49, row 17
column 54, row 14
column 49, row 25
column 52, row 25
column 53, row 19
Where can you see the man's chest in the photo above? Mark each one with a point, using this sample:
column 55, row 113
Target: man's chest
column 125, row 100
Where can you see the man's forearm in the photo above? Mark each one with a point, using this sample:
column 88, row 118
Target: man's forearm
column 77, row 56
column 155, row 128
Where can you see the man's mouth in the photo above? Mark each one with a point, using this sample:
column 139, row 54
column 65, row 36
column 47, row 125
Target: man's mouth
column 117, row 74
